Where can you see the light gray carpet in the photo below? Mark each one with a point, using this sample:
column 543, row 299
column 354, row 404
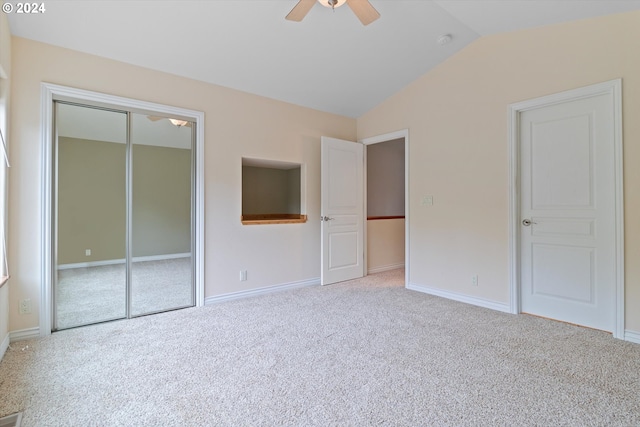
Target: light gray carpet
column 361, row 353
column 96, row 294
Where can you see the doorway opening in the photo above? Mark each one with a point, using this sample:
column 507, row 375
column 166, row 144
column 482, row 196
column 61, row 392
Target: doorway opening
column 387, row 203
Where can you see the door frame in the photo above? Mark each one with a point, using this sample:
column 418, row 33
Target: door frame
column 403, row 133
column 611, row 87
column 51, row 92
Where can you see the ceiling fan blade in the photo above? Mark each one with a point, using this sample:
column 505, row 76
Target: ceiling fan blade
column 364, row 11
column 300, row 10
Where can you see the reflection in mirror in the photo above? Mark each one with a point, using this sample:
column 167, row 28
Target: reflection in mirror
column 123, row 194
column 161, row 214
column 90, row 196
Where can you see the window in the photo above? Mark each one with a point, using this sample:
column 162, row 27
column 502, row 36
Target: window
column 272, row 192
column 4, row 164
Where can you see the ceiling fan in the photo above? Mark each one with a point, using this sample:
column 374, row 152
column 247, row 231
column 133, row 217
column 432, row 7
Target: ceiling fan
column 175, row 122
column 362, row 8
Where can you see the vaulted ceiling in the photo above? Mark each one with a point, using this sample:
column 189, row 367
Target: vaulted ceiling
column 329, row 61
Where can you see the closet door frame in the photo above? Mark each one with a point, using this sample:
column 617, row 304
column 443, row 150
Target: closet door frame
column 49, row 94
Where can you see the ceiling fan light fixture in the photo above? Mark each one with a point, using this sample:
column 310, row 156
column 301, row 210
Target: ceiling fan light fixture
column 332, row 3
column 178, row 123
column 365, row 12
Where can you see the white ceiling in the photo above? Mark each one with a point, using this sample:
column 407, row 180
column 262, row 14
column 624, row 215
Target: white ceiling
column 329, row 61
column 109, row 126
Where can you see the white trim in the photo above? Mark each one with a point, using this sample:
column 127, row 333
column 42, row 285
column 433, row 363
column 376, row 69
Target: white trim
column 199, row 226
column 619, row 174
column 25, row 334
column 91, row 264
column 480, row 302
column 614, row 88
column 632, row 336
column 261, row 291
column 514, row 211
column 46, row 248
column 49, row 92
column 12, row 420
column 385, row 268
column 404, row 133
column 4, row 345
column 122, row 261
column 160, row 257
column 365, row 198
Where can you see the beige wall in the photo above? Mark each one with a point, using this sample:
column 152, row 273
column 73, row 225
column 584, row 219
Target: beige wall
column 237, row 125
column 293, row 191
column 458, row 125
column 385, row 178
column 457, row 116
column 161, row 211
column 270, row 191
column 385, row 244
column 92, row 200
column 5, row 62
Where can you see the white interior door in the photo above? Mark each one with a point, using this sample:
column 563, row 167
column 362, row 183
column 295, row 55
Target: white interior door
column 342, row 205
column 568, row 222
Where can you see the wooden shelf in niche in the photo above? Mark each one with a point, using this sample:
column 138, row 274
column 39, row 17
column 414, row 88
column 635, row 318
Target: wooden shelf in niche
column 273, row 219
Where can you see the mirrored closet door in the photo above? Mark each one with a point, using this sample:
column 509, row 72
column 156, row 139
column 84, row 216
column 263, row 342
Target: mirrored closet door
column 123, row 216
column 161, row 214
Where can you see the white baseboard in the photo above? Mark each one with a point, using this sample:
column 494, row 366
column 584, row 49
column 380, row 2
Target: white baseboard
column 90, row 264
column 122, row 261
column 160, row 257
column 25, row 334
column 632, row 336
column 385, row 268
column 4, row 346
column 481, row 302
column 260, row 291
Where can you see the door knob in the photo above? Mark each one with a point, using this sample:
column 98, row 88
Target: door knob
column 325, row 218
column 527, row 222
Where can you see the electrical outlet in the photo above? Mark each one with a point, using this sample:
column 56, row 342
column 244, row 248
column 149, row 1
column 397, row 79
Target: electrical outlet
column 243, row 275
column 25, row 306
column 474, row 280
column 87, row 252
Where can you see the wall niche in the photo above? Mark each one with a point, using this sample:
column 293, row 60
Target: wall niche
column 272, row 192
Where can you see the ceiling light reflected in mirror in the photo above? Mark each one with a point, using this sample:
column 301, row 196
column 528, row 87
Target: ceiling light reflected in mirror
column 177, row 122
